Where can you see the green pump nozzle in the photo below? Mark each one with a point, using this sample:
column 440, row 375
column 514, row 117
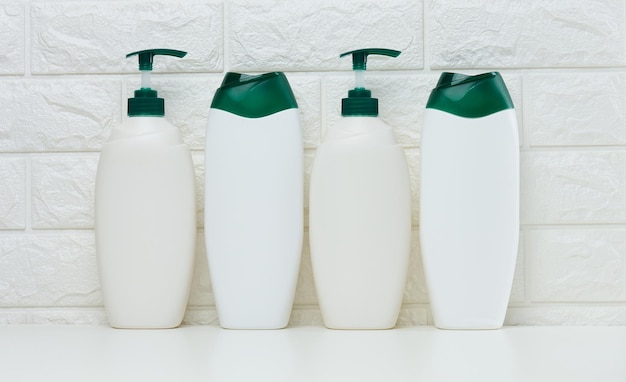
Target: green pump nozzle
column 146, row 102
column 360, row 101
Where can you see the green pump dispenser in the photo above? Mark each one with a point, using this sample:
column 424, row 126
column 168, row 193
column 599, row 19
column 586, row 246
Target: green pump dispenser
column 146, row 103
column 360, row 101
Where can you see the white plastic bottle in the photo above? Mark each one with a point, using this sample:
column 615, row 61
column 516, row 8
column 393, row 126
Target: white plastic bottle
column 360, row 214
column 469, row 202
column 254, row 200
column 145, row 214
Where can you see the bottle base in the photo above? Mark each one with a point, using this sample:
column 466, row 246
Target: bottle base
column 248, row 327
column 358, row 327
column 256, row 326
column 143, row 327
column 359, row 324
column 469, row 326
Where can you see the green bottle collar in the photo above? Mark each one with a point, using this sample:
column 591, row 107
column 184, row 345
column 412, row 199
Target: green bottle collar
column 254, row 96
column 470, row 96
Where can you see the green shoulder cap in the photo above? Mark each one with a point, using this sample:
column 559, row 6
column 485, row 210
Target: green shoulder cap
column 470, row 96
column 254, row 96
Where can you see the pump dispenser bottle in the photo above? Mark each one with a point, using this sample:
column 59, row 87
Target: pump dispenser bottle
column 360, row 214
column 469, row 202
column 254, row 200
column 145, row 213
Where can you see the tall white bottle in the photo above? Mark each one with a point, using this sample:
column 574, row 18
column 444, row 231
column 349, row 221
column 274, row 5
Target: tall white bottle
column 254, row 200
column 145, row 214
column 469, row 202
column 360, row 214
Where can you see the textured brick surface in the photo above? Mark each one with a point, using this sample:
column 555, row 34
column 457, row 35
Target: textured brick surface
column 66, row 316
column 305, row 291
column 309, row 158
column 578, row 265
column 48, row 270
column 577, row 109
column 57, row 115
column 415, row 290
column 413, row 161
column 501, row 33
column 198, row 163
column 201, row 291
column 94, row 37
column 64, row 81
column 13, row 316
column 272, row 35
column 573, row 187
column 12, row 194
column 63, row 192
column 567, row 315
column 12, row 33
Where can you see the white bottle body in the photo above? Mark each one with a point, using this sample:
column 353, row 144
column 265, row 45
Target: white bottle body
column 469, row 216
column 360, row 224
column 145, row 224
column 254, row 216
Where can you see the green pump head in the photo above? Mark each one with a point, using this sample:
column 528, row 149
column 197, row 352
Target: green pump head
column 146, row 102
column 360, row 101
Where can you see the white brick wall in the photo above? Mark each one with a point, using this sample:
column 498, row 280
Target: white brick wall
column 64, row 81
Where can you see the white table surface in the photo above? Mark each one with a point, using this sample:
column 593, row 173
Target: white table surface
column 208, row 353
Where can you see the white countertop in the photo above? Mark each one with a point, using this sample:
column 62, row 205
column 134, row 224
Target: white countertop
column 208, row 353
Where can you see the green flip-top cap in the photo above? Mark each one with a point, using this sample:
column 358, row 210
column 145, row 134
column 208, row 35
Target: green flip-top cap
column 470, row 96
column 360, row 101
column 254, row 96
column 146, row 101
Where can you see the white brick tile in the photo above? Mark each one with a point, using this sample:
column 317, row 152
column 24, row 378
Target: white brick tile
column 501, row 33
column 57, row 115
column 413, row 161
column 309, row 159
column 94, row 37
column 68, row 316
column 201, row 316
column 198, row 164
column 13, row 316
column 577, row 109
column 415, row 290
column 577, row 265
column 49, row 270
column 306, row 293
column 578, row 315
column 573, row 187
column 201, row 291
column 63, row 192
column 13, row 193
column 271, row 35
column 411, row 317
column 401, row 101
column 12, row 38
column 306, row 317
